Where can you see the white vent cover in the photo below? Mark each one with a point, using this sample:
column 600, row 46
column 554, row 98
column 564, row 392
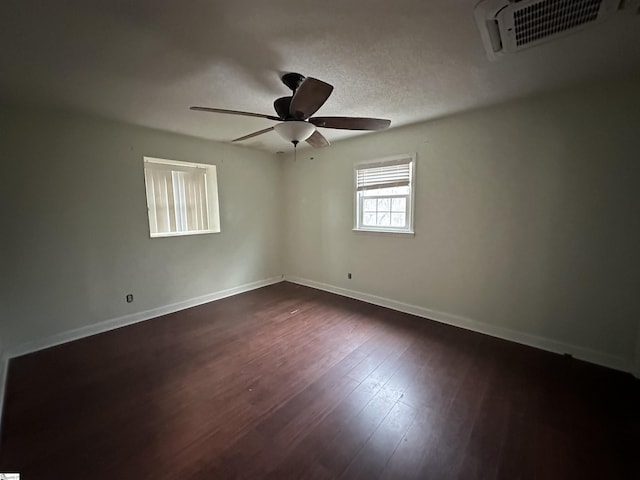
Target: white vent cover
column 508, row 26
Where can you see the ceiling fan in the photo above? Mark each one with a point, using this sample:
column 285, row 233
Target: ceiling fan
column 294, row 113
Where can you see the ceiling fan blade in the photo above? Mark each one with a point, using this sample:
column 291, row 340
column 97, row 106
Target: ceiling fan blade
column 351, row 123
column 309, row 97
column 254, row 134
column 317, row 140
column 234, row 112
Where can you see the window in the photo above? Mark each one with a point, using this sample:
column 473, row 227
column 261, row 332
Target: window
column 384, row 195
column 182, row 198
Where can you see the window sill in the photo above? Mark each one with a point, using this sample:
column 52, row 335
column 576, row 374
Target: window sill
column 386, row 232
column 182, row 234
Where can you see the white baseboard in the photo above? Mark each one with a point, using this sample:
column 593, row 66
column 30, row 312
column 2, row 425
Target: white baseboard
column 592, row 356
column 111, row 324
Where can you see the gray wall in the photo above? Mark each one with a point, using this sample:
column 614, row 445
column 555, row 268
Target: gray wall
column 526, row 220
column 76, row 237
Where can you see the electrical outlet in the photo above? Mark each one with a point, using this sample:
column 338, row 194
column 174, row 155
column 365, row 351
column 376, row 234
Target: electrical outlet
column 349, row 275
column 129, row 297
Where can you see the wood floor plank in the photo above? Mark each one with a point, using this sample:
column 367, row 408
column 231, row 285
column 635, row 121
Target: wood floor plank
column 408, row 458
column 338, row 453
column 373, row 457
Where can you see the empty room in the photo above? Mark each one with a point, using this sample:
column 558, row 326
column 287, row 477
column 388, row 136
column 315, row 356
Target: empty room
column 320, row 240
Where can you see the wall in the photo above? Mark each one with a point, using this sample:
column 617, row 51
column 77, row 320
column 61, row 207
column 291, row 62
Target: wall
column 526, row 221
column 76, row 238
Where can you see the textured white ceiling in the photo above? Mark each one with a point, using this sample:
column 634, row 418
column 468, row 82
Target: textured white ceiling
column 146, row 61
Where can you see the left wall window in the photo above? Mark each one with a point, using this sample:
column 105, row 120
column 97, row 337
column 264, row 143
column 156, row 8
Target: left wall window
column 182, row 197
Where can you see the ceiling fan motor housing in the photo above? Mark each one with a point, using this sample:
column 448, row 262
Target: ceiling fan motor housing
column 292, row 80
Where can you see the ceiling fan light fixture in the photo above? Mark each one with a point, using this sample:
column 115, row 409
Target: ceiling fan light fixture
column 294, row 131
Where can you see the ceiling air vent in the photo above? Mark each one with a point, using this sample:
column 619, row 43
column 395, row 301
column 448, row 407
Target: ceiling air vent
column 508, row 26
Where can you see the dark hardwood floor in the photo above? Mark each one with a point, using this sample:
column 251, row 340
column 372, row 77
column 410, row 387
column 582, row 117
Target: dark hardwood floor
column 290, row 382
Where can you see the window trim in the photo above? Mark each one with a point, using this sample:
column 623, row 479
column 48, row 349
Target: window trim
column 357, row 199
column 211, row 192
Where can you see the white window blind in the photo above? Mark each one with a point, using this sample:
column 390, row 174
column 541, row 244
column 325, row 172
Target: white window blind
column 384, row 195
column 392, row 174
column 178, row 197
